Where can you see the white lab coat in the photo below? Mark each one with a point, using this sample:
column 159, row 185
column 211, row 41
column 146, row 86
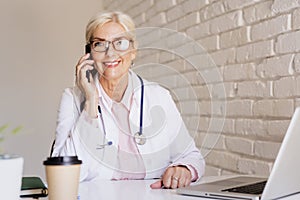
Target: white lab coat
column 168, row 141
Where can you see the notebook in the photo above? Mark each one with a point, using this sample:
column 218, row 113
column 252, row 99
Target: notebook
column 283, row 180
column 33, row 187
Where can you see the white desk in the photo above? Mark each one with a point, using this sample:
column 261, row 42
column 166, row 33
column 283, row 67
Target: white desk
column 134, row 190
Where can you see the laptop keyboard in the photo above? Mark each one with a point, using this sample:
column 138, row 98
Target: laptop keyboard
column 256, row 188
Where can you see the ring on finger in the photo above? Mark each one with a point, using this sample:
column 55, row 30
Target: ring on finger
column 175, row 178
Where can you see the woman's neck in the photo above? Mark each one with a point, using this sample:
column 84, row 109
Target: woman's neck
column 115, row 89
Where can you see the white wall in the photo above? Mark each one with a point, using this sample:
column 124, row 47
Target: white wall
column 40, row 43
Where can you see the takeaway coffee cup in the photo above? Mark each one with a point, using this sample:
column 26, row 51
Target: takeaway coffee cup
column 62, row 174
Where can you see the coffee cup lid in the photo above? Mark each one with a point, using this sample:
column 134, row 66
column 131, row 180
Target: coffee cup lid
column 62, row 160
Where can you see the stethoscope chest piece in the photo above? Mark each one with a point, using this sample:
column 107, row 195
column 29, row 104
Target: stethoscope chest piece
column 139, row 138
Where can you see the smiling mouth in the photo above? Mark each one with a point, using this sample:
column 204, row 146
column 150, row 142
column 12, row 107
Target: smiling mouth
column 111, row 64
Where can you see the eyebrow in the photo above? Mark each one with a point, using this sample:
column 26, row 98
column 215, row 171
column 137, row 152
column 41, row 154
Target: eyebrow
column 117, row 38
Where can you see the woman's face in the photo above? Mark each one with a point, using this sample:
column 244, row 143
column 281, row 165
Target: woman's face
column 112, row 64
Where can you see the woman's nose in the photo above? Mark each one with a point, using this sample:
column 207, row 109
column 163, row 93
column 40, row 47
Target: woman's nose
column 110, row 50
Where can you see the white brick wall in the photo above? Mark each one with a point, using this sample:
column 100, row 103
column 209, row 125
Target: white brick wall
column 296, row 19
column 288, row 43
column 236, row 37
column 275, row 67
column 258, row 12
column 244, row 80
column 271, row 27
column 226, row 22
column 255, row 51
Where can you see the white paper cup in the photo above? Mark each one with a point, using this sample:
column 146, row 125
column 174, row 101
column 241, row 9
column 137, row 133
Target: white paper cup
column 11, row 170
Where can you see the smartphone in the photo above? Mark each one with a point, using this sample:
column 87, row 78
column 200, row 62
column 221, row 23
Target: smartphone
column 92, row 72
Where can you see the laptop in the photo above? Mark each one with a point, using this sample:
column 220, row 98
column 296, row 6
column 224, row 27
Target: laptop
column 284, row 179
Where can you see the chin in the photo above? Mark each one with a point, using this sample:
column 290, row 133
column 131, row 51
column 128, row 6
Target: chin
column 114, row 74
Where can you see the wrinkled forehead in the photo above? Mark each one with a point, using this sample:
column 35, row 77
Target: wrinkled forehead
column 110, row 31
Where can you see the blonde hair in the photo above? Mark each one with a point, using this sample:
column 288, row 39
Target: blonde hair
column 101, row 18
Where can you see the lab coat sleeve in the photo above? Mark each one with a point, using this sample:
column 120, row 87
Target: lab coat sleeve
column 189, row 156
column 183, row 149
column 71, row 126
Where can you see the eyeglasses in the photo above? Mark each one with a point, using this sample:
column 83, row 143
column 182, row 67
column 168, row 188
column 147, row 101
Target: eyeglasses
column 120, row 44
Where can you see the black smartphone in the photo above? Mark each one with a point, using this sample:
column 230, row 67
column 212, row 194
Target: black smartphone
column 92, row 72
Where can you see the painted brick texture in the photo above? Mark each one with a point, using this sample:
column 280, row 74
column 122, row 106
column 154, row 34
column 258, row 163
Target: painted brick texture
column 233, row 68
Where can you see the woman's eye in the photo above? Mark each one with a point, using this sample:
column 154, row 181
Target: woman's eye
column 122, row 44
column 119, row 42
column 99, row 44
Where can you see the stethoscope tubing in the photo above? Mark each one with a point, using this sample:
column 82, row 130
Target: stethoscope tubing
column 141, row 106
column 140, row 133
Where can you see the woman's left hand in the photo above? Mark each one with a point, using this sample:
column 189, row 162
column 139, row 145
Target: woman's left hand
column 174, row 177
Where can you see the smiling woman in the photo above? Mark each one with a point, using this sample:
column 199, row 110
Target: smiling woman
column 120, row 125
column 113, row 63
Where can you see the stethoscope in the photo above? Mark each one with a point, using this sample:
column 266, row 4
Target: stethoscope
column 139, row 138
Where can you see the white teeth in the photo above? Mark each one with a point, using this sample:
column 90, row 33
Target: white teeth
column 111, row 63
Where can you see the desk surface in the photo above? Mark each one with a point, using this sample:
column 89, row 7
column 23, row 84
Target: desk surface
column 134, row 190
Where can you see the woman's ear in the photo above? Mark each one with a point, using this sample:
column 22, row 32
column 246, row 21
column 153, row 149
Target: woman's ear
column 132, row 64
column 134, row 50
column 133, row 54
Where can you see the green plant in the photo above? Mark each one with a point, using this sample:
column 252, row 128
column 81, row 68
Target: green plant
column 5, row 130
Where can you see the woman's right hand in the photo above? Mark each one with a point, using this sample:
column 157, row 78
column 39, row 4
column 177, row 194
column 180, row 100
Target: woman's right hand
column 87, row 88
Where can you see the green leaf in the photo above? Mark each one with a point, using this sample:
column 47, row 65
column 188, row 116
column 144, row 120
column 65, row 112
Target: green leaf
column 3, row 128
column 17, row 130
